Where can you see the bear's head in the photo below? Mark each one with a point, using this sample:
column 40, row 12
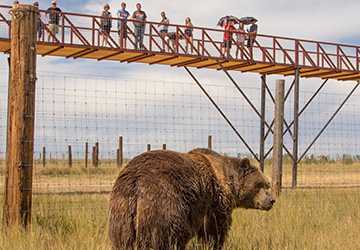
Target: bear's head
column 251, row 189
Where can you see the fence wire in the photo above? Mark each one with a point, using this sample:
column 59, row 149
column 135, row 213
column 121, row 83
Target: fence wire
column 74, row 109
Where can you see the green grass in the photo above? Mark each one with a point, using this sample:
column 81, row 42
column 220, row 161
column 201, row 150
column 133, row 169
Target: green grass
column 302, row 219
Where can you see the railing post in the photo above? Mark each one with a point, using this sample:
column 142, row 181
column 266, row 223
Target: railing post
column 62, row 28
column 203, row 41
column 297, row 53
column 357, row 59
column 150, row 37
column 93, row 31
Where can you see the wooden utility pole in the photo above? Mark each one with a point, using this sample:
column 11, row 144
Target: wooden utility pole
column 210, row 142
column 70, row 156
column 86, row 154
column 278, row 138
column 21, row 113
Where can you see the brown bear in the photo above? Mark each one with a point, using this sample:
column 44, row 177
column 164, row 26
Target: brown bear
column 162, row 199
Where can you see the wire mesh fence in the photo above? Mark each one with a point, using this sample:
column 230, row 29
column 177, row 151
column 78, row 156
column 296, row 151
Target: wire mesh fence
column 75, row 110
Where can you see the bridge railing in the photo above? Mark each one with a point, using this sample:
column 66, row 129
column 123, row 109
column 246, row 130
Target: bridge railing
column 84, row 30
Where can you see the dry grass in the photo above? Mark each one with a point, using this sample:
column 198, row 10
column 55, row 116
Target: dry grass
column 311, row 219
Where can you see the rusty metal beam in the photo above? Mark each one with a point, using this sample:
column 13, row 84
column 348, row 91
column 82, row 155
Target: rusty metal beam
column 212, row 64
column 182, row 64
column 164, row 60
column 85, row 53
column 111, row 55
column 329, row 121
column 222, row 114
column 140, row 58
column 279, row 71
column 52, row 51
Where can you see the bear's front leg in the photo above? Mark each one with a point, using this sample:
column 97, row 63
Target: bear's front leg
column 215, row 229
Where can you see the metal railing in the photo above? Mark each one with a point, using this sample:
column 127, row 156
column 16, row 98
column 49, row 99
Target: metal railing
column 84, row 30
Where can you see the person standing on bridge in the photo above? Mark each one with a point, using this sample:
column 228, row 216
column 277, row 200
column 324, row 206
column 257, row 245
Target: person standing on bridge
column 189, row 34
column 53, row 13
column 139, row 18
column 228, row 37
column 105, row 24
column 164, row 28
column 252, row 33
column 123, row 16
column 39, row 24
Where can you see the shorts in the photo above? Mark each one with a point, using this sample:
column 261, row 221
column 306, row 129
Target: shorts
column 227, row 44
column 54, row 28
column 163, row 32
column 106, row 29
column 188, row 33
column 122, row 30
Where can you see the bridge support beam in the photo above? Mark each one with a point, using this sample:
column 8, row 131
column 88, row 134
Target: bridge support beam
column 295, row 129
column 21, row 113
column 262, row 122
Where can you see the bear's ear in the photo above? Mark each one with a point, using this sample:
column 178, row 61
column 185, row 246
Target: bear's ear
column 245, row 162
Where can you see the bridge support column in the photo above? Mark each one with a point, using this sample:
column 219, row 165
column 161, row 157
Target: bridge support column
column 21, row 113
column 296, row 129
column 262, row 122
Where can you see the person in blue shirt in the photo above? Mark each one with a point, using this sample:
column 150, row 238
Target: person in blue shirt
column 123, row 15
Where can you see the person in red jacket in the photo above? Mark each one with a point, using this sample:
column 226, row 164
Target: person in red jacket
column 228, row 35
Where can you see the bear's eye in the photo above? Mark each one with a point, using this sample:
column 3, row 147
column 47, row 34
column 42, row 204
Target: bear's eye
column 260, row 185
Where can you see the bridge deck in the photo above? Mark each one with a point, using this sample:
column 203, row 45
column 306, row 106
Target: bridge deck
column 80, row 37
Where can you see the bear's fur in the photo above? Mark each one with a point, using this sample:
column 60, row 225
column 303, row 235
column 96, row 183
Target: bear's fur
column 162, row 199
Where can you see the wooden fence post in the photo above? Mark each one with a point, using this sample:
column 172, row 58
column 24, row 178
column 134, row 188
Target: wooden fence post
column 86, row 154
column 278, row 138
column 44, row 156
column 21, row 113
column 70, row 156
column 93, row 156
column 210, row 142
column 97, row 150
column 121, row 152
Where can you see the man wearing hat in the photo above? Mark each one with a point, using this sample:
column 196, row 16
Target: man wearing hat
column 53, row 13
column 39, row 24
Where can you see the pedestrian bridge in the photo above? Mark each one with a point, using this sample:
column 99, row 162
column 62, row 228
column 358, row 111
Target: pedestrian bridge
column 80, row 37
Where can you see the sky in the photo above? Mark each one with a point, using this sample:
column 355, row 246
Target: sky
column 330, row 20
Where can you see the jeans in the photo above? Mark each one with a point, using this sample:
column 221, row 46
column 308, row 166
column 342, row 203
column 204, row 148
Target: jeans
column 139, row 36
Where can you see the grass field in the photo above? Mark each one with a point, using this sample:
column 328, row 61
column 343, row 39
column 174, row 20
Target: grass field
column 302, row 219
column 323, row 218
